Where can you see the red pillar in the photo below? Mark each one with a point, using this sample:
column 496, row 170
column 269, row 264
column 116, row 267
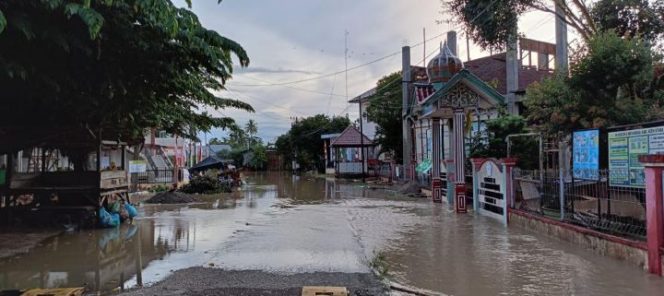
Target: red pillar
column 654, row 164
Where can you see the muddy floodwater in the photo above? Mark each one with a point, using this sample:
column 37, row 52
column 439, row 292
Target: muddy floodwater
column 285, row 224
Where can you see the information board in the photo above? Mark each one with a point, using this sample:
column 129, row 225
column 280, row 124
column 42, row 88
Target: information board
column 137, row 166
column 624, row 150
column 585, row 160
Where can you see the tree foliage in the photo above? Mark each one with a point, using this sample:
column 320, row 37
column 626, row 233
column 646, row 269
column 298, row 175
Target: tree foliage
column 303, row 142
column 492, row 142
column 612, row 82
column 630, row 18
column 117, row 65
column 490, row 22
column 385, row 110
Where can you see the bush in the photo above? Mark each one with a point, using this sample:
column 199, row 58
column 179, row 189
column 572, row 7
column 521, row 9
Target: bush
column 205, row 185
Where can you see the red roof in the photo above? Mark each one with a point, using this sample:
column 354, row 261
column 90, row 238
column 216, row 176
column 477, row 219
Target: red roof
column 492, row 68
column 351, row 137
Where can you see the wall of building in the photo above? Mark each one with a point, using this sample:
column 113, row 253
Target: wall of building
column 633, row 252
column 368, row 127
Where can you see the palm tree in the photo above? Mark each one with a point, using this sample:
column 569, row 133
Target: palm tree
column 251, row 128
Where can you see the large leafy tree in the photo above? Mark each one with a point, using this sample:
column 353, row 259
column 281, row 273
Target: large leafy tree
column 120, row 66
column 385, row 110
column 611, row 83
column 303, row 142
column 490, row 22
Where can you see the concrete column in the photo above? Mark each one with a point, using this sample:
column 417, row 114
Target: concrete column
column 654, row 165
column 436, row 182
column 508, row 166
column 405, row 83
column 512, row 65
column 561, row 41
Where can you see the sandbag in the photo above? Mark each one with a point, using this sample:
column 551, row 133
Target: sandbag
column 131, row 210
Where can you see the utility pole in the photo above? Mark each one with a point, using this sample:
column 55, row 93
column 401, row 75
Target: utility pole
column 362, row 142
column 346, row 60
column 405, row 80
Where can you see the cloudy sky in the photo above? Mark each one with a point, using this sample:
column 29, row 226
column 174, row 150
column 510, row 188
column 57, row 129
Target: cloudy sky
column 294, row 40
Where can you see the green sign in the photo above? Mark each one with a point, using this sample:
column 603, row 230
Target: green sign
column 3, row 175
column 424, row 166
column 624, row 150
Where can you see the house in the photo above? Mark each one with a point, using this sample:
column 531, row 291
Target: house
column 328, row 152
column 453, row 99
column 353, row 152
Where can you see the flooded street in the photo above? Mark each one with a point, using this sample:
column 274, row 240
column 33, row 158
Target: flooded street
column 284, row 224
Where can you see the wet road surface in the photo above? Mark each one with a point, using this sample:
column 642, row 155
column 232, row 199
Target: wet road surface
column 287, row 225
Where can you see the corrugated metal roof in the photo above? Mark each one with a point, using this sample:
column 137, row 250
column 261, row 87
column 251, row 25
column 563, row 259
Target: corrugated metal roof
column 351, row 137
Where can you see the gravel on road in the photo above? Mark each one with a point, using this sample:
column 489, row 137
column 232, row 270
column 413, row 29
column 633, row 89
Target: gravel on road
column 212, row 281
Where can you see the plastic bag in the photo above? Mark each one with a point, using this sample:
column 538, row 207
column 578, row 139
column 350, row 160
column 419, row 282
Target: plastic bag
column 116, row 219
column 115, row 207
column 107, row 219
column 131, row 210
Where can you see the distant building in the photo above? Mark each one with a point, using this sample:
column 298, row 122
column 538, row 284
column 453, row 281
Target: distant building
column 347, row 150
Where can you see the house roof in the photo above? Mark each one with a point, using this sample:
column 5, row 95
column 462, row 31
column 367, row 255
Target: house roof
column 329, row 136
column 351, row 137
column 493, row 68
column 364, row 96
column 210, row 162
column 216, row 148
column 471, row 80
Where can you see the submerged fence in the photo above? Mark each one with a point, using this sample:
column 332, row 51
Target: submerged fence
column 596, row 203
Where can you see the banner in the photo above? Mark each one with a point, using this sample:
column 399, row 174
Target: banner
column 624, row 150
column 585, row 158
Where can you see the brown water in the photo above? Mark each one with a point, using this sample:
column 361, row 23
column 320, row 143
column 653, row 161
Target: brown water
column 286, row 224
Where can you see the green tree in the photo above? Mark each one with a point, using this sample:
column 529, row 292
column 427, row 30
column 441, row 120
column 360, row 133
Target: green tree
column 258, row 159
column 610, row 84
column 385, row 110
column 490, row 22
column 303, row 143
column 492, row 143
column 630, row 18
column 215, row 141
column 120, row 66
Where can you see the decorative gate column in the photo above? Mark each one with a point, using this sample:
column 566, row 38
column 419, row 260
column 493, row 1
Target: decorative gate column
column 436, row 182
column 459, row 158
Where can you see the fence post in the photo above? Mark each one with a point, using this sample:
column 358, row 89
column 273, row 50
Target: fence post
column 508, row 166
column 654, row 164
column 477, row 164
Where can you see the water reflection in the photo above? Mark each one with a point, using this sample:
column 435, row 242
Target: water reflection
column 285, row 223
column 99, row 259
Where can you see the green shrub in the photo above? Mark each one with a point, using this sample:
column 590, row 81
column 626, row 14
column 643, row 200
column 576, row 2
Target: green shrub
column 205, row 185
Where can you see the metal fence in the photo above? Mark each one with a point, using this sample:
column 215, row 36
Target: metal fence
column 152, row 177
column 596, row 204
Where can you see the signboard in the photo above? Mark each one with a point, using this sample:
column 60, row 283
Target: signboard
column 585, row 158
column 624, row 150
column 424, row 166
column 137, row 166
